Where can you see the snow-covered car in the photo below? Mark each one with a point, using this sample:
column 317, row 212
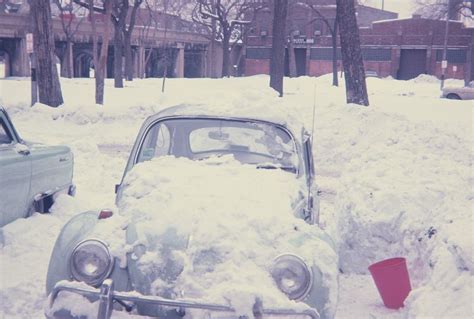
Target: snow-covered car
column 459, row 93
column 216, row 217
column 31, row 174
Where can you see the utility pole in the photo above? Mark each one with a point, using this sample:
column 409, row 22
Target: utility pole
column 34, row 83
column 383, row 5
column 444, row 63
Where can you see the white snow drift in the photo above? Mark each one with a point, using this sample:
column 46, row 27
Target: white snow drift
column 396, row 179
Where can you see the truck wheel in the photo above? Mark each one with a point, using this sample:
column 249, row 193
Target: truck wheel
column 41, row 204
column 453, row 96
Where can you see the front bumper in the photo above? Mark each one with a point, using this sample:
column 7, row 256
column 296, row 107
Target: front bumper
column 106, row 296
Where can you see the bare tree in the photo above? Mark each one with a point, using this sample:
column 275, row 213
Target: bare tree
column 160, row 14
column 440, row 9
column 100, row 60
column 223, row 19
column 43, row 40
column 354, row 73
column 71, row 19
column 277, row 61
column 119, row 18
column 127, row 36
column 147, row 22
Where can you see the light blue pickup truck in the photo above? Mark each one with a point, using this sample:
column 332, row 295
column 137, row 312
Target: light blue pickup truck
column 31, row 174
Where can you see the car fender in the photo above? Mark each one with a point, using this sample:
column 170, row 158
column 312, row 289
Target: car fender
column 75, row 230
column 324, row 291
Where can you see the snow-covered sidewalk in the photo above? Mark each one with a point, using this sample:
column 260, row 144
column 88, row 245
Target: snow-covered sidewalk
column 396, row 179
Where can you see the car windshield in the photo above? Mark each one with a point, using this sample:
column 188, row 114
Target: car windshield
column 250, row 142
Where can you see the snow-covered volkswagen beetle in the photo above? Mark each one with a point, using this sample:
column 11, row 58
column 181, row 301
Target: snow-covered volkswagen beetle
column 216, row 217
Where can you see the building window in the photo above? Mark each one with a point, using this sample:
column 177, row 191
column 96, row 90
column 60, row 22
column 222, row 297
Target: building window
column 324, row 54
column 377, row 54
column 258, row 53
column 452, row 55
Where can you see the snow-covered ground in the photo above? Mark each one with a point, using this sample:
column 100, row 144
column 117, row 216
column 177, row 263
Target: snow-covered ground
column 396, row 179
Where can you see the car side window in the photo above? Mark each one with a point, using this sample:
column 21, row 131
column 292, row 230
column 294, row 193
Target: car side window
column 309, row 157
column 5, row 137
column 157, row 143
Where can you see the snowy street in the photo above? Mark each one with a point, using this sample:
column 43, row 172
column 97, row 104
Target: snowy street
column 388, row 174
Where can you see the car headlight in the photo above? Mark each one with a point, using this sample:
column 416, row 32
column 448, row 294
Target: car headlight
column 91, row 262
column 292, row 276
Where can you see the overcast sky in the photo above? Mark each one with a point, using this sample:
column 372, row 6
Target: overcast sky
column 404, row 8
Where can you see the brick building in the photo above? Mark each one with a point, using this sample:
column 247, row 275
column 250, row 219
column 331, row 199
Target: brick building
column 402, row 48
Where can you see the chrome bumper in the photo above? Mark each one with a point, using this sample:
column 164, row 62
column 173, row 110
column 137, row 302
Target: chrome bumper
column 107, row 296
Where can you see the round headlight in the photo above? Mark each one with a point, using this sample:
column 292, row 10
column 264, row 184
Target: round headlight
column 91, row 262
column 292, row 276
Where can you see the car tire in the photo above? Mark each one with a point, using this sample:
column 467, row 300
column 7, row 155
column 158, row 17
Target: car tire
column 40, row 206
column 453, row 96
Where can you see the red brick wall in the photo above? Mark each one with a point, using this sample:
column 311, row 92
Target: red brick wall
column 383, row 69
column 317, row 67
column 459, row 74
column 253, row 67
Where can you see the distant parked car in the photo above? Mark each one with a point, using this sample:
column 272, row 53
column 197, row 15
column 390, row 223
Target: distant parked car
column 31, row 174
column 175, row 231
column 459, row 93
column 371, row 74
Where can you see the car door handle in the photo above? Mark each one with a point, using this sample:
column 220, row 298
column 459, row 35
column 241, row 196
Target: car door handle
column 63, row 159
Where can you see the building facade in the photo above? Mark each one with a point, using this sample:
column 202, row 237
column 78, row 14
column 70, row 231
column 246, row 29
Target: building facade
column 401, row 48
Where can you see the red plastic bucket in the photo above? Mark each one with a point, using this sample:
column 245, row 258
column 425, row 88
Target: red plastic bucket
column 392, row 281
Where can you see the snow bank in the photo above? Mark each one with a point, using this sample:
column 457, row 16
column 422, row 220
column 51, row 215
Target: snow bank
column 239, row 220
column 410, row 149
column 407, row 194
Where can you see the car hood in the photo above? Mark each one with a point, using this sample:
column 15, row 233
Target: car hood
column 210, row 230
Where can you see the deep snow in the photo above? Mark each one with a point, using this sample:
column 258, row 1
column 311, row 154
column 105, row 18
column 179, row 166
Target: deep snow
column 396, row 179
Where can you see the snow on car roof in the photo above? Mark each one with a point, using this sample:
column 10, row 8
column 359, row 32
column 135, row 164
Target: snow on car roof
column 274, row 114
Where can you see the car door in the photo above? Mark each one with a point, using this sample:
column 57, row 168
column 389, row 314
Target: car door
column 51, row 169
column 470, row 91
column 15, row 174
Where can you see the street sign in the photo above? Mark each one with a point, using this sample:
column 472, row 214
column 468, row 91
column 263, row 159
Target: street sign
column 303, row 40
column 444, row 64
column 29, row 43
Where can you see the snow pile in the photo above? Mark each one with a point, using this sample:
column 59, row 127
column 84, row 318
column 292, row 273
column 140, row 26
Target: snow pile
column 405, row 194
column 410, row 149
column 425, row 78
column 238, row 219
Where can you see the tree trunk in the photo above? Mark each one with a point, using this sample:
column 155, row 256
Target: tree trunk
column 356, row 89
column 118, row 53
column 165, row 69
column 128, row 56
column 277, row 62
column 69, row 60
column 225, row 55
column 335, row 80
column 100, row 62
column 63, row 71
column 47, row 75
column 127, row 34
